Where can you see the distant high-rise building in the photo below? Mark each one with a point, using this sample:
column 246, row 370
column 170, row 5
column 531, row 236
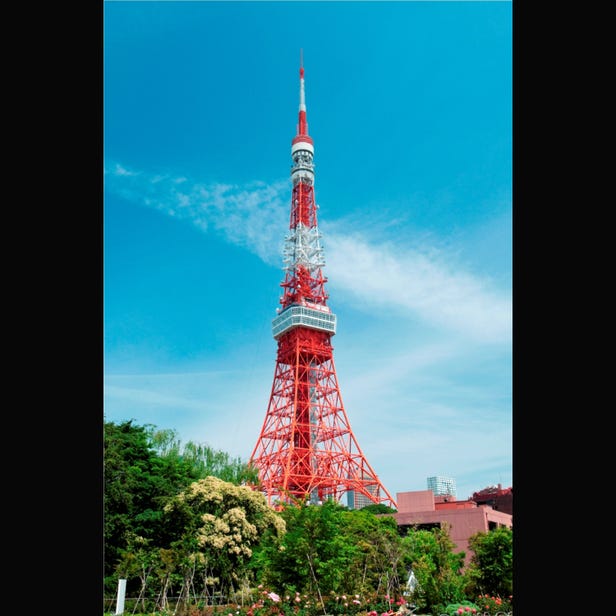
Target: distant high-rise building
column 357, row 500
column 442, row 486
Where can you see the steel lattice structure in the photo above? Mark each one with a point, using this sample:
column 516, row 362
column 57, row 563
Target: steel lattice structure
column 306, row 450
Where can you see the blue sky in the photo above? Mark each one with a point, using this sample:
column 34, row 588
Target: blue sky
column 410, row 108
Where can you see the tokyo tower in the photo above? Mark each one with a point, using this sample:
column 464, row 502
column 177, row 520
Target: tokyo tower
column 306, row 450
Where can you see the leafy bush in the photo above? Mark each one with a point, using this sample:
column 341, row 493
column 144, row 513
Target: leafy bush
column 495, row 604
column 463, row 608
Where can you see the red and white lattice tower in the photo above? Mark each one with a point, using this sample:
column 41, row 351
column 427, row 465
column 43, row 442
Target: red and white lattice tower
column 306, row 450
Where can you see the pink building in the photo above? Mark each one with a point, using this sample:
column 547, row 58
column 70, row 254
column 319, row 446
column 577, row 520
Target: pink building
column 423, row 511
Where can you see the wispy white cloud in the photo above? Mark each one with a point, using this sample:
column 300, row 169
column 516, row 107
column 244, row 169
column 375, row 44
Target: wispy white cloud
column 422, row 282
column 251, row 216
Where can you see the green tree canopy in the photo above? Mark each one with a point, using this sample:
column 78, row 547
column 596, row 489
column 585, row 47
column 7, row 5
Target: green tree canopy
column 329, row 550
column 143, row 468
column 491, row 568
column 214, row 525
column 437, row 569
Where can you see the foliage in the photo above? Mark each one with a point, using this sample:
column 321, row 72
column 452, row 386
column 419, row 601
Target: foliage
column 437, row 568
column 494, row 605
column 201, row 460
column 379, row 567
column 344, row 557
column 490, row 571
column 465, row 608
column 313, row 556
column 182, row 523
column 134, row 481
column 213, row 526
column 143, row 468
column 377, row 508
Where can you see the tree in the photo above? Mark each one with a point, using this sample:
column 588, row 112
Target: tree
column 313, row 556
column 144, row 467
column 132, row 485
column 437, row 569
column 200, row 460
column 179, row 522
column 208, row 462
column 379, row 570
column 342, row 557
column 377, row 508
column 490, row 571
column 213, row 527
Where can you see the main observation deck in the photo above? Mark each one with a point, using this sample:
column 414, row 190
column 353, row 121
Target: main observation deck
column 306, row 314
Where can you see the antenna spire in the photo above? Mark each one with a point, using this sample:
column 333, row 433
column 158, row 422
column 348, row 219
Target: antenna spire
column 302, row 126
